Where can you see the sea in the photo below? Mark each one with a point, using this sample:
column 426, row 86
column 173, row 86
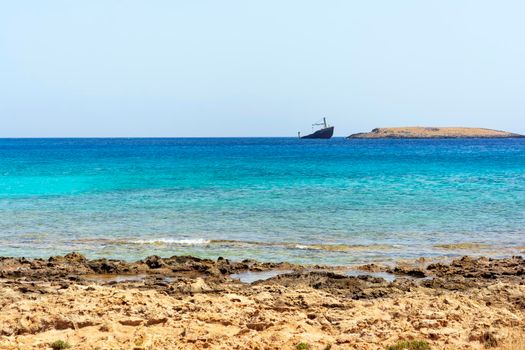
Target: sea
column 336, row 202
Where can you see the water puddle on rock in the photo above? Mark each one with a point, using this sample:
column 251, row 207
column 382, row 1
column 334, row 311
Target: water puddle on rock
column 115, row 278
column 254, row 276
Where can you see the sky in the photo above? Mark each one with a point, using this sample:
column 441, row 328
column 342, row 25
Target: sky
column 124, row 68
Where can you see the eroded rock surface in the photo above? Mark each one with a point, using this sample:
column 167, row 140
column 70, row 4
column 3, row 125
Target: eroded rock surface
column 191, row 303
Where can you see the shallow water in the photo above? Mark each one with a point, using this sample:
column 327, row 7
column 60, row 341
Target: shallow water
column 336, row 202
column 254, row 276
column 101, row 278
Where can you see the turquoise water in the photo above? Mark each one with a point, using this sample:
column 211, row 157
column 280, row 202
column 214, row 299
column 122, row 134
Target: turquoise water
column 310, row 201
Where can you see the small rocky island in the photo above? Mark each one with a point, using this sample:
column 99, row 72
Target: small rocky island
column 431, row 132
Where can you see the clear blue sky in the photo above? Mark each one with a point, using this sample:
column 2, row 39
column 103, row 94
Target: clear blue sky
column 258, row 68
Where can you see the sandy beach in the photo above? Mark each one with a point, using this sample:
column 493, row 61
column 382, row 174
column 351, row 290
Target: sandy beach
column 190, row 303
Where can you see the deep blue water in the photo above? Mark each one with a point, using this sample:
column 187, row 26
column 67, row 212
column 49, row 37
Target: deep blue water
column 316, row 201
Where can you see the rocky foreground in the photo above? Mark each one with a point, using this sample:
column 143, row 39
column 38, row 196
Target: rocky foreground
column 432, row 132
column 190, row 303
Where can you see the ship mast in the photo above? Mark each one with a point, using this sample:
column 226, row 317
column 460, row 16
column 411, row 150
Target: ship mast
column 324, row 123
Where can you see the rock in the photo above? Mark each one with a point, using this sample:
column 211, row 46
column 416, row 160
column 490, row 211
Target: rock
column 259, row 326
column 103, row 266
column 194, row 309
column 154, row 262
column 409, row 271
column 132, row 322
column 75, row 257
column 107, row 327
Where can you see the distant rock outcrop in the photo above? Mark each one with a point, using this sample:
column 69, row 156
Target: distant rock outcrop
column 431, row 132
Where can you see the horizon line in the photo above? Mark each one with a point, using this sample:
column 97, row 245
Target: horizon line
column 150, row 137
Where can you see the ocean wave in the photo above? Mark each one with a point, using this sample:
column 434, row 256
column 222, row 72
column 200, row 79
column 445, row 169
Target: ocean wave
column 169, row 241
column 187, row 241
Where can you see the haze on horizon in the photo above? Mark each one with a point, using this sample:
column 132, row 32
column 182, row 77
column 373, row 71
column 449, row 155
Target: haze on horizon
column 238, row 68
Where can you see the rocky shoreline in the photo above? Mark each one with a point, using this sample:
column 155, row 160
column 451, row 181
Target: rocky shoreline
column 185, row 302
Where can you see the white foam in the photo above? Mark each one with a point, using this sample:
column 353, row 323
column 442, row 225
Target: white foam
column 188, row 241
